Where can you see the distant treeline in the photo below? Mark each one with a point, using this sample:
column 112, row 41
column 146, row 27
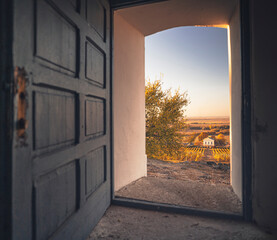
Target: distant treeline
column 208, row 127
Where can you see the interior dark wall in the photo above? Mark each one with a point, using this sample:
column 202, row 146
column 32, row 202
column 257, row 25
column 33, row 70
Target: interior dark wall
column 6, row 73
column 264, row 116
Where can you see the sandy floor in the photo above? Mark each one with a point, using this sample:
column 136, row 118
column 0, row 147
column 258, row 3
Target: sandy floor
column 205, row 172
column 184, row 193
column 193, row 184
column 133, row 224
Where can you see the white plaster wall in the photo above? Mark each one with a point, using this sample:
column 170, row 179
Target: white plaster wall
column 235, row 93
column 152, row 18
column 128, row 104
column 264, row 114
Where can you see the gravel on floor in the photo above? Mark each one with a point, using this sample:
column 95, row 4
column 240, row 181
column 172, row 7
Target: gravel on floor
column 183, row 192
column 135, row 224
column 203, row 171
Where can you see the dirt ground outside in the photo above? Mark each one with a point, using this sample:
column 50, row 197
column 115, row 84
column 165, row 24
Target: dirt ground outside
column 202, row 185
column 203, row 171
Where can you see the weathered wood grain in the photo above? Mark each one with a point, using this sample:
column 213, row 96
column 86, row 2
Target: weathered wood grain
column 61, row 178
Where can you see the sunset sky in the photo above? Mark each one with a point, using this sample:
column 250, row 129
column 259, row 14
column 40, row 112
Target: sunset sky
column 196, row 60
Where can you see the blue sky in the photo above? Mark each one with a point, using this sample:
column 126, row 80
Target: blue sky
column 196, row 60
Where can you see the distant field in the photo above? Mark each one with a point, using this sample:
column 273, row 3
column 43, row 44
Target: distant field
column 213, row 126
column 211, row 122
column 208, row 121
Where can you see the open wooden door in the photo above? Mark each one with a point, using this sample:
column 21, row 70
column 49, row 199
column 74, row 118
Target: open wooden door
column 61, row 142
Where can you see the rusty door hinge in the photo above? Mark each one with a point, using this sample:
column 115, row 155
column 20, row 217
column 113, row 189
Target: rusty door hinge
column 20, row 84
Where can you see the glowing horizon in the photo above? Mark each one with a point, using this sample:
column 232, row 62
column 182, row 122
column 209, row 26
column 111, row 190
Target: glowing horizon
column 196, row 60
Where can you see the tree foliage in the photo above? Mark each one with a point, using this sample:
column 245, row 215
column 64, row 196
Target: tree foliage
column 202, row 135
column 191, row 138
column 221, row 139
column 164, row 114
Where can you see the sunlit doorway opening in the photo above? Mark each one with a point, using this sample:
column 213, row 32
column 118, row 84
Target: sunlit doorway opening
column 130, row 160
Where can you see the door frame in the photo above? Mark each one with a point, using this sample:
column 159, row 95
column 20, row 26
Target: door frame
column 246, row 110
column 245, row 128
column 6, row 117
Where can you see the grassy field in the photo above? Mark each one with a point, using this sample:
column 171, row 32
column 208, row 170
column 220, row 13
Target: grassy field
column 193, row 134
column 208, row 120
column 213, row 126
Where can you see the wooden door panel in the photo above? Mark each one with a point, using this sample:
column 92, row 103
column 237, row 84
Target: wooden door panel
column 54, row 120
column 95, row 170
column 95, row 64
column 67, row 155
column 58, row 189
column 56, row 38
column 96, row 16
column 95, row 117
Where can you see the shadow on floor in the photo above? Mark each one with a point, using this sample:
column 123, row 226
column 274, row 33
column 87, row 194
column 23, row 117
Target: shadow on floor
column 133, row 224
